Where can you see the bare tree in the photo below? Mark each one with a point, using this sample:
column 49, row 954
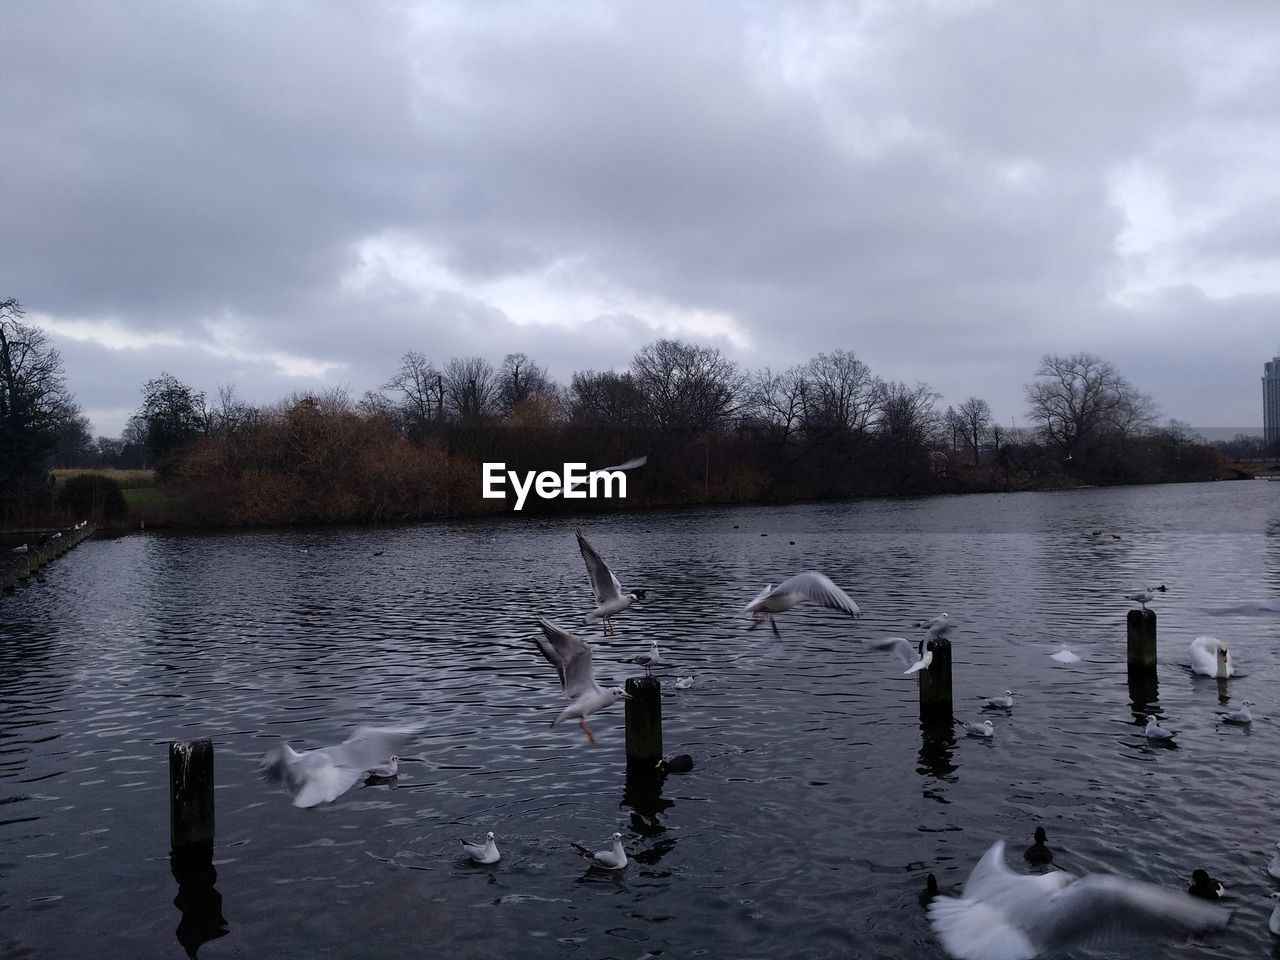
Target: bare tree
column 419, row 393
column 605, row 397
column 778, row 400
column 470, row 389
column 840, row 394
column 525, row 392
column 1081, row 398
column 975, row 422
column 687, row 388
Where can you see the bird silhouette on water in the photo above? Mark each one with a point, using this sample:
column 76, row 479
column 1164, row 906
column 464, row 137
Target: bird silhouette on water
column 1205, row 887
column 1038, row 852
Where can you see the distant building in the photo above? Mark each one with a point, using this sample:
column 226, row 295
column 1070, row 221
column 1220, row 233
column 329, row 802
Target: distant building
column 1271, row 404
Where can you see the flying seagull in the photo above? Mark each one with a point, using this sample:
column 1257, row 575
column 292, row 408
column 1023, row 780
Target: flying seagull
column 811, row 586
column 571, row 656
column 908, row 652
column 1002, row 915
column 318, row 776
column 609, row 596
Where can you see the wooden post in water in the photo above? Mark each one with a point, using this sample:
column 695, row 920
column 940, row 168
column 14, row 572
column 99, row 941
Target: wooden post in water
column 1142, row 640
column 644, row 721
column 190, row 793
column 935, row 683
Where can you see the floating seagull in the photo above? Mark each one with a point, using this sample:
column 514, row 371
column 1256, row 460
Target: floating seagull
column 650, row 659
column 1002, row 915
column 1210, row 658
column 486, row 852
column 1241, row 716
column 983, row 729
column 614, row 859
column 571, row 656
column 810, row 586
column 1065, row 655
column 1273, row 868
column 1146, row 595
column 680, row 763
column 1154, row 731
column 1273, row 924
column 1205, row 887
column 905, row 650
column 999, row 703
column 609, row 596
column 629, row 465
column 684, row 683
column 322, row 775
column 1038, row 853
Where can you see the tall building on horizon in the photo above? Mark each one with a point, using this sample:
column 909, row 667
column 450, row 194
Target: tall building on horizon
column 1271, row 404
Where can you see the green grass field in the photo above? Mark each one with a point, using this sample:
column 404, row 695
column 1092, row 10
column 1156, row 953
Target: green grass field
column 128, row 479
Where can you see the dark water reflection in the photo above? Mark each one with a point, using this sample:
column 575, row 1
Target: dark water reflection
column 817, row 805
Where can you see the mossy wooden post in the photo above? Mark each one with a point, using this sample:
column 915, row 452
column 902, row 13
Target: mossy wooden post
column 1142, row 640
column 190, row 793
column 935, row 683
column 644, row 721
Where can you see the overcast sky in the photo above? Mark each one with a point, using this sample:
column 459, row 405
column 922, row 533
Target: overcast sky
column 288, row 196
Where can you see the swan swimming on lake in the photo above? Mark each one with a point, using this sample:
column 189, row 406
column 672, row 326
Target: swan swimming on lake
column 571, row 656
column 318, row 776
column 1146, row 595
column 614, row 858
column 811, row 586
column 609, row 596
column 1002, row 915
column 1210, row 657
column 486, row 852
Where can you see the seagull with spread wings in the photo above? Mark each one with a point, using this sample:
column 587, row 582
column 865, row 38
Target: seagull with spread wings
column 571, row 656
column 318, row 776
column 811, row 586
column 609, row 596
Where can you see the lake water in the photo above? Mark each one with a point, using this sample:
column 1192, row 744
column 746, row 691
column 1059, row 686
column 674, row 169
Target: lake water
column 816, row 806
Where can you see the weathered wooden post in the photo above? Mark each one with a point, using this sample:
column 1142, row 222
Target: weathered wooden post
column 644, row 721
column 190, row 793
column 935, row 683
column 1142, row 639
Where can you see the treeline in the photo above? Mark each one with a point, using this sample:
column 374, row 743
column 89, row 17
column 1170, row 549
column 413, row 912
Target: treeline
column 713, row 432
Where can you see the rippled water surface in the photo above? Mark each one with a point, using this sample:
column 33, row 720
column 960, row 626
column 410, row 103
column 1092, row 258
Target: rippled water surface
column 816, row 806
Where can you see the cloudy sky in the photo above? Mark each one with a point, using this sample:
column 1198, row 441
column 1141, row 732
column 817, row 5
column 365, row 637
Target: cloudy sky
column 288, row 196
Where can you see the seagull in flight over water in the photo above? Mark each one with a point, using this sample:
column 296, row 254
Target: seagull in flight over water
column 1002, row 915
column 571, row 656
column 811, row 586
column 318, row 776
column 609, row 596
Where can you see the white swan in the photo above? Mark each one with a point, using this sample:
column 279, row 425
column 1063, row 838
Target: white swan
column 1210, row 658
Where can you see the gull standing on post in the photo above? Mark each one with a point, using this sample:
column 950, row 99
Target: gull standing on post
column 809, row 585
column 321, row 776
column 571, row 657
column 1002, row 915
column 650, row 659
column 1146, row 595
column 609, row 596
